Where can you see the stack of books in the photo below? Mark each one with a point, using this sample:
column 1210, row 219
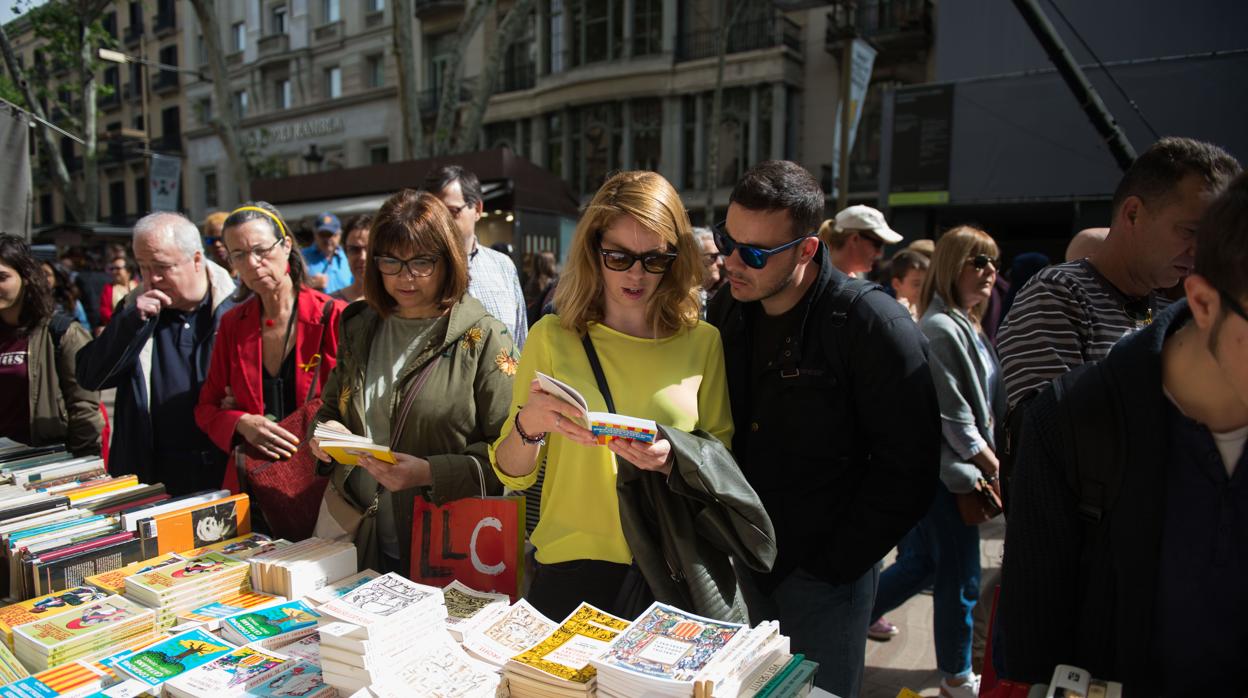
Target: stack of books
column 467, row 607
column 152, row 666
column 559, row 664
column 303, row 679
column 346, row 448
column 10, row 668
column 503, row 636
column 41, row 607
column 298, row 569
column 278, row 624
column 236, row 673
column 86, row 632
column 210, row 614
column 176, row 589
column 72, row 679
column 329, row 592
column 114, row 581
column 368, row 631
column 439, row 669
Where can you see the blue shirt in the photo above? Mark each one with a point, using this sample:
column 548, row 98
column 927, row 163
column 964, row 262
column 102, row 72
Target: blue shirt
column 1199, row 638
column 336, row 268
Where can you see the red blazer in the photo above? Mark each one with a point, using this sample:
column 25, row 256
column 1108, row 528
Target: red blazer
column 237, row 362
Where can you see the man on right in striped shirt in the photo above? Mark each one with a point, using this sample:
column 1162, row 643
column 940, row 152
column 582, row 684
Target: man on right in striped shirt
column 1073, row 313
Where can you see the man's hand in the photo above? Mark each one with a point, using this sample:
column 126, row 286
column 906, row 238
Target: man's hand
column 150, row 303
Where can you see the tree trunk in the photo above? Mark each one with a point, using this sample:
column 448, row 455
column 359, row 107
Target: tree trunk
column 717, row 108
column 90, row 134
column 47, row 137
column 508, row 31
column 448, row 101
column 224, row 119
column 409, row 97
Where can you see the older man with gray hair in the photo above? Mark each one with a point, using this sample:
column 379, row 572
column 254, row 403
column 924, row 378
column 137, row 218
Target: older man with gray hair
column 155, row 351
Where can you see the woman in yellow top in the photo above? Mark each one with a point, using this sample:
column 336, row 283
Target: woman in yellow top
column 632, row 279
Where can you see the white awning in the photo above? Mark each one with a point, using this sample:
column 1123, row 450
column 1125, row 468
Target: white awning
column 349, row 206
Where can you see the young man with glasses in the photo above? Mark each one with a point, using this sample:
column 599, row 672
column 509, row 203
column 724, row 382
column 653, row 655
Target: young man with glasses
column 824, row 374
column 856, row 239
column 1128, row 543
column 156, row 353
column 492, row 276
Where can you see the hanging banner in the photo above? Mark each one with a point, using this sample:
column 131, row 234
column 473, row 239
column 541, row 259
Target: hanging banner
column 861, row 65
column 16, row 195
column 166, row 178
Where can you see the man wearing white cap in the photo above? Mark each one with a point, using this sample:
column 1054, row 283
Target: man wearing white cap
column 856, row 239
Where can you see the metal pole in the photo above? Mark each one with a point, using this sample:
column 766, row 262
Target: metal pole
column 842, row 178
column 1095, row 109
column 147, row 125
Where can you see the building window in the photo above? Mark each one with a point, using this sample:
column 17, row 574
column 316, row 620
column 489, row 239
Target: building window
column 333, row 82
column 240, row 104
column 597, row 30
column 204, row 109
column 171, row 128
column 239, row 32
column 646, row 123
column 375, row 5
column 210, row 188
column 282, row 96
column 555, row 34
column 331, row 11
column 554, row 144
column 439, row 51
column 375, row 70
column 277, row 19
column 596, row 143
column 117, row 202
column 647, row 27
column 379, row 154
column 142, row 195
column 201, row 51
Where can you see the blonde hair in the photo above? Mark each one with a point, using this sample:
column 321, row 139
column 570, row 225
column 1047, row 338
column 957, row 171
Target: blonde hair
column 952, row 251
column 649, row 199
column 833, row 238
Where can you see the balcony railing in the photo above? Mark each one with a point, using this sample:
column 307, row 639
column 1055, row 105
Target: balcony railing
column 133, row 34
column 744, row 36
column 328, row 32
column 273, row 44
column 164, row 81
column 517, row 77
column 430, row 8
column 165, row 22
column 170, row 143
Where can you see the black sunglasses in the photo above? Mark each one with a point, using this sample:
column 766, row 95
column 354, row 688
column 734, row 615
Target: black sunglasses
column 980, row 261
column 753, row 257
column 653, row 262
column 1235, row 306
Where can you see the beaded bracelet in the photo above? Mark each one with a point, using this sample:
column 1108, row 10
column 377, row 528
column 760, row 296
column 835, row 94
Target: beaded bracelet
column 539, row 440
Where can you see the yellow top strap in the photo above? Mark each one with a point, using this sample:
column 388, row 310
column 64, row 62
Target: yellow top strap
column 281, row 227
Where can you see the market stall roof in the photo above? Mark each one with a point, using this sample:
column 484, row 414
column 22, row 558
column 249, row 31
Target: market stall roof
column 506, row 178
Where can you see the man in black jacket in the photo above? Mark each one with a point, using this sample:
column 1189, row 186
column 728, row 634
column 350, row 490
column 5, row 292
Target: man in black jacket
column 155, row 351
column 837, row 426
column 1127, row 552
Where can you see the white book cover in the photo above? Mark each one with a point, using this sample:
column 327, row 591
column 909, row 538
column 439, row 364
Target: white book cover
column 339, row 587
column 387, row 599
column 509, row 634
column 441, row 671
column 464, row 605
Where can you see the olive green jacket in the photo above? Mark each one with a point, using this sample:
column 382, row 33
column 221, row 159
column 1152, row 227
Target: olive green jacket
column 61, row 411
column 455, row 417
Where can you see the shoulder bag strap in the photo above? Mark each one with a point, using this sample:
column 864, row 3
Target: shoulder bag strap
column 599, row 376
column 326, row 312
column 396, row 430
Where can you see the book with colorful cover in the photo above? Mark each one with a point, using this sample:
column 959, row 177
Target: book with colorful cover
column 566, row 652
column 604, row 425
column 196, row 526
column 114, row 581
column 79, row 626
column 10, row 668
column 211, row 614
column 234, row 673
column 304, row 679
column 173, row 657
column 240, row 547
column 466, row 606
column 76, row 678
column 333, row 590
column 169, row 580
column 44, row 606
column 666, row 644
column 264, row 623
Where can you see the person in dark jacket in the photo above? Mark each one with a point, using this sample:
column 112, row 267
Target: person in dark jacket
column 156, row 352
column 1143, row 584
column 837, row 426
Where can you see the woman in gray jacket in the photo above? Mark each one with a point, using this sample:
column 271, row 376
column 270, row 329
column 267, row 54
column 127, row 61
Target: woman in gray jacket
column 968, row 387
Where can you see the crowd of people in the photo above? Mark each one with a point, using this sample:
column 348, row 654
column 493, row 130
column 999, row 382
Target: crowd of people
column 810, row 419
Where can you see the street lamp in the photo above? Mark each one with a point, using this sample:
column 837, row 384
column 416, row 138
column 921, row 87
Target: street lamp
column 313, row 157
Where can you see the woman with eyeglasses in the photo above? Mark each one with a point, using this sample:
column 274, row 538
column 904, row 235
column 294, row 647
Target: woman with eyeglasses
column 121, row 273
column 424, row 369
column 271, row 347
column 629, row 292
column 972, row 399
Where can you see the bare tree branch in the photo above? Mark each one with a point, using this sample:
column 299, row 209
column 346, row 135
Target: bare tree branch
column 509, row 30
column 448, row 102
column 225, row 121
column 405, row 60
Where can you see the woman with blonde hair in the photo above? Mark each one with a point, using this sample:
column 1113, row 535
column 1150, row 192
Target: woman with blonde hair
column 972, row 399
column 628, row 301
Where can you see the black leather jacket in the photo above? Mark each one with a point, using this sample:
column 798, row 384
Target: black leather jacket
column 840, row 434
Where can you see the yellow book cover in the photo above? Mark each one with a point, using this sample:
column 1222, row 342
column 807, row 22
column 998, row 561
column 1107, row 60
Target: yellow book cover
column 93, row 489
column 566, row 652
column 114, row 581
column 41, row 607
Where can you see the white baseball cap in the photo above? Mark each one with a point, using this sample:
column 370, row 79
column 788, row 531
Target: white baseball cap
column 866, row 218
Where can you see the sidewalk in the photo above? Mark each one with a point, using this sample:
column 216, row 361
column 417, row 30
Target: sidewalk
column 909, row 659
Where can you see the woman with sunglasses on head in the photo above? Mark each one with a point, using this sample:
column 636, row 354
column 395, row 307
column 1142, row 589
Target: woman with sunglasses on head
column 971, row 396
column 629, row 293
column 424, row 369
column 272, row 347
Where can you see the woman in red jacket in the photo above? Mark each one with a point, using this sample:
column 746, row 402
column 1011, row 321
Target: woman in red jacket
column 270, row 346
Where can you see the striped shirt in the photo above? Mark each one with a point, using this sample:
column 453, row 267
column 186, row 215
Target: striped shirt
column 492, row 279
column 1066, row 315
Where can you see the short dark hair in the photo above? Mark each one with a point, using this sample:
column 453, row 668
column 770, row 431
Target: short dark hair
column 444, row 177
column 1222, row 240
column 419, row 221
column 905, row 260
column 780, row 185
column 1157, row 172
column 36, row 296
column 364, row 220
column 281, row 229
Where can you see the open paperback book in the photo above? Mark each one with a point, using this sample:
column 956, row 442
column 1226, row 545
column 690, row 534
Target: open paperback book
column 604, row 425
column 346, row 448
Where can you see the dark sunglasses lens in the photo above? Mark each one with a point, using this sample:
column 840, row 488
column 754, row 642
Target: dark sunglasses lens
column 657, row 263
column 980, row 261
column 753, row 257
column 722, row 242
column 617, row 261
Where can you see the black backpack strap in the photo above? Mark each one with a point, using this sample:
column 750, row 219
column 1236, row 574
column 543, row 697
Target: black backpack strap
column 838, row 303
column 58, row 326
column 1092, row 422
